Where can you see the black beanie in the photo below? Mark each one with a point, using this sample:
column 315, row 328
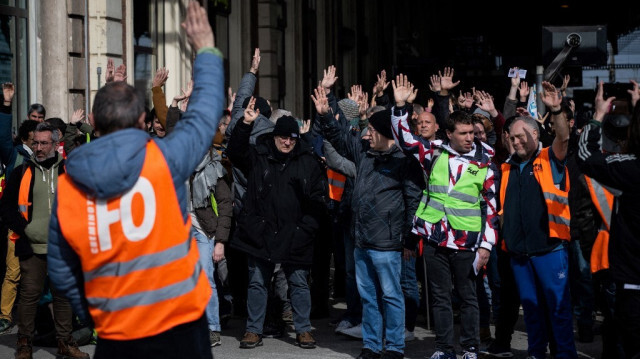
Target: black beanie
column 287, row 126
column 381, row 122
column 261, row 104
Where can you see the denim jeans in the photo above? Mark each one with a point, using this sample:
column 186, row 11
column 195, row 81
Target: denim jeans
column 205, row 247
column 378, row 274
column 442, row 263
column 352, row 297
column 545, row 280
column 260, row 273
column 409, row 284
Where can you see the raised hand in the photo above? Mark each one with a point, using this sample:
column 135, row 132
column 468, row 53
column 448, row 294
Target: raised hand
column 356, row 92
column 255, row 61
column 160, row 78
column 363, row 103
column 602, row 105
column 329, row 78
column 515, row 81
column 306, row 125
column 524, row 91
column 485, row 103
column 551, row 97
column 446, row 80
column 319, row 98
column 120, row 74
column 381, row 84
column 196, row 25
column 401, row 89
column 635, row 93
column 565, row 83
column 251, row 113
column 186, row 93
column 414, row 94
column 77, row 116
column 110, row 73
column 8, row 90
column 435, row 83
column 231, row 98
column 468, row 100
column 183, row 104
column 430, row 103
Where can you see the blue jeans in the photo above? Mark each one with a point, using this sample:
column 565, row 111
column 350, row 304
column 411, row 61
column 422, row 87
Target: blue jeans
column 205, row 247
column 409, row 284
column 543, row 283
column 260, row 273
column 378, row 274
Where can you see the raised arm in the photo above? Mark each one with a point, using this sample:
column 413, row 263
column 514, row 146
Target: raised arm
column 412, row 145
column 552, row 98
column 613, row 170
column 159, row 99
column 185, row 146
column 245, row 90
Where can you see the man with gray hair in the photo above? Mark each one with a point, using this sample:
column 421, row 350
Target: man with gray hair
column 26, row 209
column 535, row 213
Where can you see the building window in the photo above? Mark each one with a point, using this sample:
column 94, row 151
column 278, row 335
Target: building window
column 144, row 52
column 14, row 57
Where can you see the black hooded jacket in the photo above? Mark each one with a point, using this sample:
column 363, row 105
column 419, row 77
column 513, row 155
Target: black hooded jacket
column 285, row 199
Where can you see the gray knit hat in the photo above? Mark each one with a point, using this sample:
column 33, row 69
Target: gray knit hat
column 349, row 108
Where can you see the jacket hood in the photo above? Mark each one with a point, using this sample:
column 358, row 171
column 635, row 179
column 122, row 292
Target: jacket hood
column 109, row 165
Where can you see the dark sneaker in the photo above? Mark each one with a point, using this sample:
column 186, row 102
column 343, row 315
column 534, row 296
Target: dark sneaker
column 367, row 353
column 214, row 338
column 23, row 348
column 250, row 341
column 68, row 349
column 305, row 340
column 5, row 324
column 390, row 354
column 442, row 355
column 495, row 350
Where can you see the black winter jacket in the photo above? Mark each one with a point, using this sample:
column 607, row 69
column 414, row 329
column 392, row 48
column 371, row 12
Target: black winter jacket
column 620, row 171
column 386, row 193
column 284, row 203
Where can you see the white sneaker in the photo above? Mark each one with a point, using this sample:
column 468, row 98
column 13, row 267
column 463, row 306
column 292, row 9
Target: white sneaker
column 409, row 336
column 353, row 332
column 344, row 324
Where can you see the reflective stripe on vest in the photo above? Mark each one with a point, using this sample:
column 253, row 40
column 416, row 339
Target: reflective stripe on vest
column 557, row 200
column 336, row 184
column 461, row 204
column 23, row 199
column 602, row 199
column 141, row 268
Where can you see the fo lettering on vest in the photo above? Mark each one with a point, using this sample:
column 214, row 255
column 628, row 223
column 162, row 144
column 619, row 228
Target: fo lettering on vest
column 141, row 268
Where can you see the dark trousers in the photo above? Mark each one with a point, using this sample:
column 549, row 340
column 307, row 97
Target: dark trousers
column 442, row 263
column 189, row 340
column 33, row 273
column 507, row 315
column 628, row 319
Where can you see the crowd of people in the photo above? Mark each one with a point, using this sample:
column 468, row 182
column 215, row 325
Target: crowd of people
column 451, row 208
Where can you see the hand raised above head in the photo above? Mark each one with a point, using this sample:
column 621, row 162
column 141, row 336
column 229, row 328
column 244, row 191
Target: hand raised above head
column 251, row 113
column 197, row 27
column 255, row 61
column 319, row 98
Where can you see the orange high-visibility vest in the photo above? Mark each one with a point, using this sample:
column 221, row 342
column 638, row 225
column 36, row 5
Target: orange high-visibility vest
column 557, row 200
column 336, row 184
column 23, row 199
column 603, row 199
column 142, row 274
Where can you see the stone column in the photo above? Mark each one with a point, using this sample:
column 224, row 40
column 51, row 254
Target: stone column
column 53, row 32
